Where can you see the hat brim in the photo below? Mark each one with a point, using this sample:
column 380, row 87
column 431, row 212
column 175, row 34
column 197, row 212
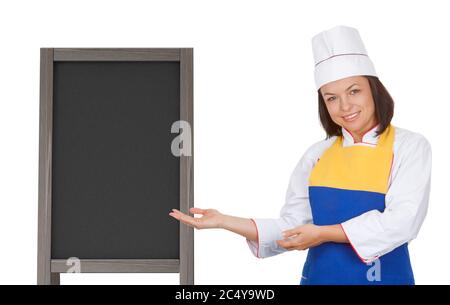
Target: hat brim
column 342, row 66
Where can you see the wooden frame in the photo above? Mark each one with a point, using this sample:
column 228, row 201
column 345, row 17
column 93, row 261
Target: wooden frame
column 48, row 269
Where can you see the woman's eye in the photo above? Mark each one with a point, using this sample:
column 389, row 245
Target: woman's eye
column 330, row 98
column 355, row 90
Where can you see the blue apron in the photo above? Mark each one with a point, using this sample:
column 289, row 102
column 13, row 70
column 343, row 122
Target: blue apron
column 344, row 183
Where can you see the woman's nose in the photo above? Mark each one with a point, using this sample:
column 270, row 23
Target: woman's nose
column 344, row 105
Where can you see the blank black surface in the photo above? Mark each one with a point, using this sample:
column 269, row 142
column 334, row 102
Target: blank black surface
column 114, row 178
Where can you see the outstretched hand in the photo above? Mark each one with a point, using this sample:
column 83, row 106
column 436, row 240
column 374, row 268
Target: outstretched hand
column 210, row 218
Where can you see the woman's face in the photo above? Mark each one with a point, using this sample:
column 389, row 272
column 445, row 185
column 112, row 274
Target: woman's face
column 350, row 104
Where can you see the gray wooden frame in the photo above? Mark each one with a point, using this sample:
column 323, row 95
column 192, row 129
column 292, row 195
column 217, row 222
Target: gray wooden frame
column 48, row 269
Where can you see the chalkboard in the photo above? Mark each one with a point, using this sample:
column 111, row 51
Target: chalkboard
column 108, row 176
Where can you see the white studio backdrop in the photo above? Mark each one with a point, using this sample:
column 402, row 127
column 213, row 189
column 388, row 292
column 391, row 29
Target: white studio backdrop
column 255, row 113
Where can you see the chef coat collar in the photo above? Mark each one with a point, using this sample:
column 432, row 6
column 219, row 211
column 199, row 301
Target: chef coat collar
column 369, row 138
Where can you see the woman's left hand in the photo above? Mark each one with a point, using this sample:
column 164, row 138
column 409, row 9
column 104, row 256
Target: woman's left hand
column 302, row 237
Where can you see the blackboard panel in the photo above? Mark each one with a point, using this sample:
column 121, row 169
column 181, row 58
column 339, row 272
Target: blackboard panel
column 114, row 179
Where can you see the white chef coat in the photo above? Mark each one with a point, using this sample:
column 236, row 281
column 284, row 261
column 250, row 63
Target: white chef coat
column 373, row 233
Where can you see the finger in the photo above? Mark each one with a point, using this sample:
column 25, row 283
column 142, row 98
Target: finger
column 285, row 244
column 197, row 211
column 176, row 215
column 186, row 219
column 290, row 232
column 286, row 233
column 191, row 210
column 177, row 212
column 292, row 242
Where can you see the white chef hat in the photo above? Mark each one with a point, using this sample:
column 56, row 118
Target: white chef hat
column 339, row 53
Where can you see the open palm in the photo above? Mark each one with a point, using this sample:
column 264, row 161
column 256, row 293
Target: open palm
column 210, row 218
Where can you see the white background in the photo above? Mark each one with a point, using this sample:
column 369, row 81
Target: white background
column 255, row 111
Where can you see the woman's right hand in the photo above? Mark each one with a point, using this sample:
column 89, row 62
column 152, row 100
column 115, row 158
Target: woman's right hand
column 210, row 218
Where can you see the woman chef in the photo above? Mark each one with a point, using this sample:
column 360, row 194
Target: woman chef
column 356, row 199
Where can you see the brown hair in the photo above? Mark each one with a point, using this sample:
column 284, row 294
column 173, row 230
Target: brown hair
column 384, row 109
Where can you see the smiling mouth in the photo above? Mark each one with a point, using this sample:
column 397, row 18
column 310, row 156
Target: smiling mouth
column 351, row 117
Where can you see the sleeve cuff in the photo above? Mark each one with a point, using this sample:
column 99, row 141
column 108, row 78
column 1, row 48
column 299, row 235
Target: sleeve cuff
column 364, row 258
column 268, row 232
column 254, row 245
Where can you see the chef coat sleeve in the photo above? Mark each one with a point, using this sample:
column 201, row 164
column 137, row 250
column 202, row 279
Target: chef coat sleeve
column 375, row 233
column 295, row 211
